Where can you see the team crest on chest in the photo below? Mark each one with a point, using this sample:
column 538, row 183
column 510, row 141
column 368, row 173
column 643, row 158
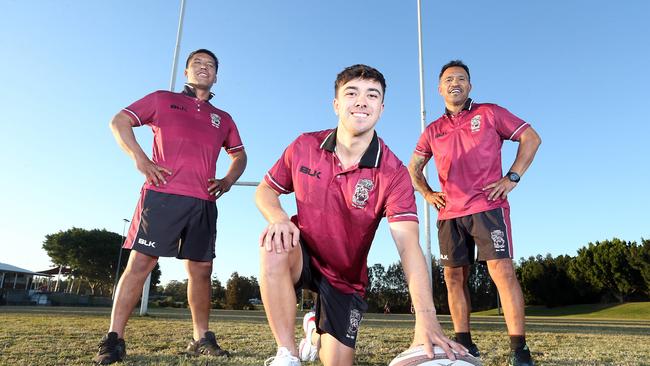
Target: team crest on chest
column 475, row 124
column 216, row 120
column 362, row 193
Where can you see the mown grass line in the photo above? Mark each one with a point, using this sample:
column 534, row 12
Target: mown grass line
column 629, row 311
column 42, row 337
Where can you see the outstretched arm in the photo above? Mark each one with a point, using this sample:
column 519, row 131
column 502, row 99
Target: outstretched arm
column 427, row 329
column 123, row 133
column 416, row 170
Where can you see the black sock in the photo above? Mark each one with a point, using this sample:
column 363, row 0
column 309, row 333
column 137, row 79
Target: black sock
column 464, row 338
column 517, row 342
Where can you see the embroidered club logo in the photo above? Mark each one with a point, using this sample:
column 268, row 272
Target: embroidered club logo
column 476, row 123
column 355, row 320
column 216, row 120
column 498, row 239
column 362, row 193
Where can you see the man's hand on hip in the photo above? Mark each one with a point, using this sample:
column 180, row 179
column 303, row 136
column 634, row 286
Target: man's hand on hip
column 217, row 187
column 499, row 189
column 154, row 174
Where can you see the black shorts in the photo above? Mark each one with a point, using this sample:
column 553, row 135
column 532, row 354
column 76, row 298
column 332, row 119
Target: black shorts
column 489, row 231
column 337, row 314
column 170, row 225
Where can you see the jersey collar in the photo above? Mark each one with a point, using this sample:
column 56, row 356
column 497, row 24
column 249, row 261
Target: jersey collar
column 467, row 107
column 189, row 91
column 370, row 158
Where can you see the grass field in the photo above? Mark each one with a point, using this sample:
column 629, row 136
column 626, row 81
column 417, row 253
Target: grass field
column 630, row 310
column 68, row 336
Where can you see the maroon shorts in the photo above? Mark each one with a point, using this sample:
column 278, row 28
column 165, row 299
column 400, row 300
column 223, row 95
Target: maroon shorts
column 170, row 225
column 489, row 231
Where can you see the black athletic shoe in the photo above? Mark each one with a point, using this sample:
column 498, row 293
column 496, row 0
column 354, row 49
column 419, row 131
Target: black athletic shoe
column 111, row 350
column 521, row 358
column 206, row 346
column 473, row 350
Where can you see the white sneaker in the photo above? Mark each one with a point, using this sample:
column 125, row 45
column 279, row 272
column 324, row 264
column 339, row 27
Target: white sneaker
column 282, row 358
column 307, row 351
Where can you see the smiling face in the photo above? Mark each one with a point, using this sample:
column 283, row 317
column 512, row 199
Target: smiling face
column 454, row 86
column 201, row 71
column 359, row 104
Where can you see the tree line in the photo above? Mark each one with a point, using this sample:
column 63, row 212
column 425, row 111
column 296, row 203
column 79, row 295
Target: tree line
column 606, row 271
column 236, row 295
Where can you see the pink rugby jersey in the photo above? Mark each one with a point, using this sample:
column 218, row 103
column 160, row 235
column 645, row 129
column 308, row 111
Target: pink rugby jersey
column 188, row 136
column 339, row 209
column 467, row 152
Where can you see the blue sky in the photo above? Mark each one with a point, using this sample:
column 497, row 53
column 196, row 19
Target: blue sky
column 576, row 70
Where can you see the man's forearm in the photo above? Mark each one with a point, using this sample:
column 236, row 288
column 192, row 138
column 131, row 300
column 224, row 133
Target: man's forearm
column 123, row 132
column 417, row 278
column 406, row 238
column 237, row 166
column 268, row 203
column 416, row 170
column 528, row 144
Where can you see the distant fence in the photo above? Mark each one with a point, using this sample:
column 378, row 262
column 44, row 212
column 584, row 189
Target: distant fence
column 22, row 297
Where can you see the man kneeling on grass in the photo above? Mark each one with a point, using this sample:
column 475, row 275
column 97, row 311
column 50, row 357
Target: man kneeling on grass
column 345, row 180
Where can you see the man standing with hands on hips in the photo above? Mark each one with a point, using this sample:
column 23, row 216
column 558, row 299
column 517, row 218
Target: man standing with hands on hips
column 473, row 209
column 177, row 213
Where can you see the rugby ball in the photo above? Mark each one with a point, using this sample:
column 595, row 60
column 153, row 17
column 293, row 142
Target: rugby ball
column 417, row 357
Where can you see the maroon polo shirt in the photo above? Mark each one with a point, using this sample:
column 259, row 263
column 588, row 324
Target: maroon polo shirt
column 339, row 209
column 467, row 152
column 188, row 134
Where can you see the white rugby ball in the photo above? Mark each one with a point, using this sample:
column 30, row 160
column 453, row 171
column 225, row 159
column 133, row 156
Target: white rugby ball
column 417, row 357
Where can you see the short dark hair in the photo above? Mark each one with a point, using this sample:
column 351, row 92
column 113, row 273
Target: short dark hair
column 359, row 72
column 207, row 52
column 455, row 63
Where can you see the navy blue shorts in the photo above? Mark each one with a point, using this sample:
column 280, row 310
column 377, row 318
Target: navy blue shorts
column 489, row 231
column 337, row 314
column 170, row 225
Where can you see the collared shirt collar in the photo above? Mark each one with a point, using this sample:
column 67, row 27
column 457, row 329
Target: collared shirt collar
column 467, row 107
column 189, row 91
column 370, row 158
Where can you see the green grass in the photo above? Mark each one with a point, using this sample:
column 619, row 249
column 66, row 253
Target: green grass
column 631, row 311
column 68, row 336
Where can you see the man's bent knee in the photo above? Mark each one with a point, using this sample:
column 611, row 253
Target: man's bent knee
column 272, row 262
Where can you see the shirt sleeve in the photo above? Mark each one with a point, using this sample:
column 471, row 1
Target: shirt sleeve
column 143, row 111
column 400, row 203
column 233, row 142
column 509, row 126
column 279, row 177
column 423, row 147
